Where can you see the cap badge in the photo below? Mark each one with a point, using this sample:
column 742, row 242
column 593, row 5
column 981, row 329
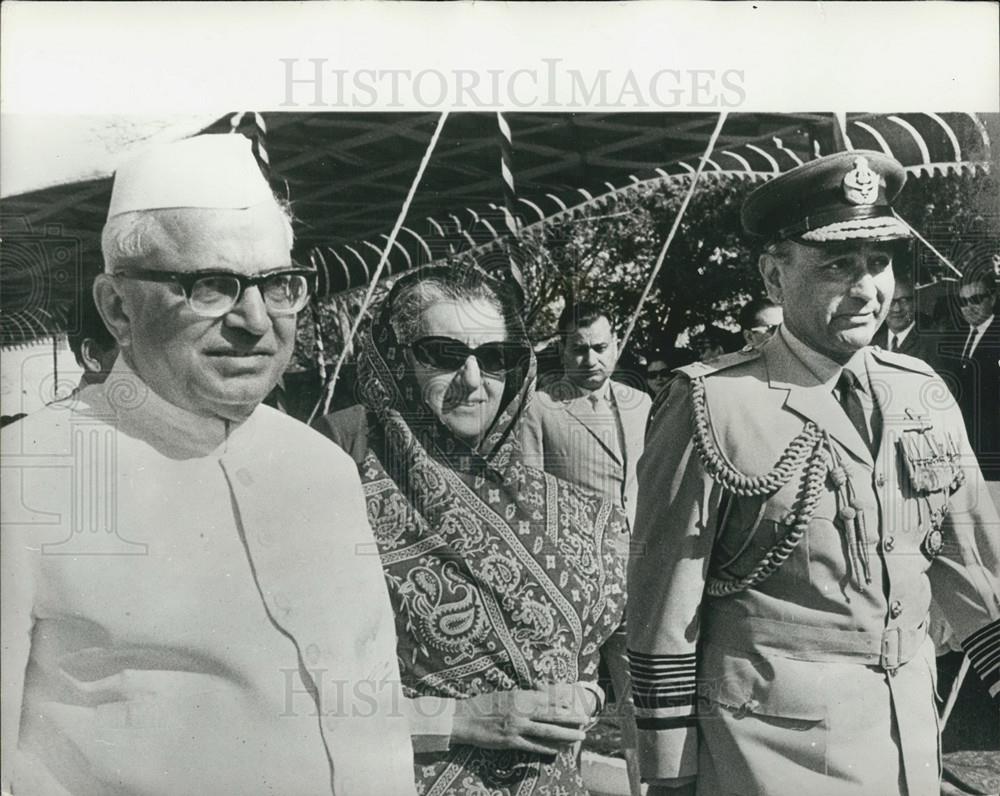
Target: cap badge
column 861, row 183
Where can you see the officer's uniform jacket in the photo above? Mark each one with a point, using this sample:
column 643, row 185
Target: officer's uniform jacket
column 818, row 678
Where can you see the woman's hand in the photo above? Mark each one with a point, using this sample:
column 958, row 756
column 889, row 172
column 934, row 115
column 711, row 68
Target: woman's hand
column 544, row 721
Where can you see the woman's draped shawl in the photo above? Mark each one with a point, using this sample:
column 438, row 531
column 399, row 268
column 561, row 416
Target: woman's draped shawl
column 501, row 576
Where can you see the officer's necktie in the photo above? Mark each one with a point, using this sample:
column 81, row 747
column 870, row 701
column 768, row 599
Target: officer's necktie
column 894, row 343
column 847, row 389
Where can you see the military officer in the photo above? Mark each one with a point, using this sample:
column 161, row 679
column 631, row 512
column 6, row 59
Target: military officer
column 798, row 506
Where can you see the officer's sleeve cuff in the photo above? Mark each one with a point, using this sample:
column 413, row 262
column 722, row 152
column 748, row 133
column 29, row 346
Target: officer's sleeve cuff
column 679, row 782
column 983, row 649
column 431, row 720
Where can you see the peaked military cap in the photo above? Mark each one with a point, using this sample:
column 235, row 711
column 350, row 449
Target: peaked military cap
column 846, row 196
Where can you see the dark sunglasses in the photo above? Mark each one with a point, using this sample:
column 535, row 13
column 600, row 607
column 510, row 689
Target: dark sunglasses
column 447, row 353
column 978, row 298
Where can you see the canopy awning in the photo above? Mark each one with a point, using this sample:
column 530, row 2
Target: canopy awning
column 347, row 174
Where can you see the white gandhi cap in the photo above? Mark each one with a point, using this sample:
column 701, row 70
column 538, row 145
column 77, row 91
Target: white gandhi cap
column 217, row 171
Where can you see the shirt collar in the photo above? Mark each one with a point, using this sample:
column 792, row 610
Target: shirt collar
column 901, row 336
column 984, row 325
column 604, row 391
column 821, row 366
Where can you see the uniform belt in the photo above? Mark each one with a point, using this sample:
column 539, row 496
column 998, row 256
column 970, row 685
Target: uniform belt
column 888, row 649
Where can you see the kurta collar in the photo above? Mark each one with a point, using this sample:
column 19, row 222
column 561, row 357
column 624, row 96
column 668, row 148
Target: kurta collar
column 140, row 412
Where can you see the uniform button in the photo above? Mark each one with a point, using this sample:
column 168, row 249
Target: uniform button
column 895, row 609
column 888, row 544
column 880, row 481
column 746, row 708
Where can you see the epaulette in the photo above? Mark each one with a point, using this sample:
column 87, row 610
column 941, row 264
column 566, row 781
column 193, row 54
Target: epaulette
column 697, row 370
column 902, row 361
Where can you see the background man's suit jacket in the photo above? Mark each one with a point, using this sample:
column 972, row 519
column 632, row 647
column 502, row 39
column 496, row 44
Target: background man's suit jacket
column 975, row 381
column 563, row 434
column 920, row 344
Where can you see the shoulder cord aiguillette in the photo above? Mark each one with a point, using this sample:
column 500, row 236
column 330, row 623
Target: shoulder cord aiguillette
column 806, row 448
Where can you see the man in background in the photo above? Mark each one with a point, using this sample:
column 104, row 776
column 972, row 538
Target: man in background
column 899, row 334
column 968, row 356
column 979, row 371
column 583, row 426
column 192, row 600
column 759, row 319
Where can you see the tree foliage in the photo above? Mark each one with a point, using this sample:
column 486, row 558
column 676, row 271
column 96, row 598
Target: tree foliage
column 607, row 255
column 606, row 250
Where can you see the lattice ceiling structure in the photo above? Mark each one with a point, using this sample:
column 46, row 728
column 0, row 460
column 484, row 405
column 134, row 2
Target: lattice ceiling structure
column 347, row 175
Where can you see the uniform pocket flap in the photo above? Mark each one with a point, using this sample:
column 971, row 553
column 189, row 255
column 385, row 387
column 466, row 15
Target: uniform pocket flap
column 775, row 687
column 783, row 516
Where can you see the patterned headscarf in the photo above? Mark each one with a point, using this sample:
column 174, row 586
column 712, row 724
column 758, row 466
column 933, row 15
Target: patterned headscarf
column 388, row 388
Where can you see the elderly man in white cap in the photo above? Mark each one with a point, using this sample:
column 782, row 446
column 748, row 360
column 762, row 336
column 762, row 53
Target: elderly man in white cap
column 192, row 598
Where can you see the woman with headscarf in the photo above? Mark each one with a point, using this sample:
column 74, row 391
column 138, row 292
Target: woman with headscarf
column 505, row 580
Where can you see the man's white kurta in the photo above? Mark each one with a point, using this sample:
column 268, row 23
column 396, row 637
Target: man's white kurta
column 179, row 594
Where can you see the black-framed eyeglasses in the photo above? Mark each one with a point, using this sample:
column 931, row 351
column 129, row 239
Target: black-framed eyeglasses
column 654, row 375
column 213, row 293
column 447, row 353
column 978, row 298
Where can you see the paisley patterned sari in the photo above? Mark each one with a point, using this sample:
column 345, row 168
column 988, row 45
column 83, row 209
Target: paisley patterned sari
column 501, row 576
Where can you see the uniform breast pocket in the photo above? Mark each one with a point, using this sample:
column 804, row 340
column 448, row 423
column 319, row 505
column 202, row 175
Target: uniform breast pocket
column 749, row 536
